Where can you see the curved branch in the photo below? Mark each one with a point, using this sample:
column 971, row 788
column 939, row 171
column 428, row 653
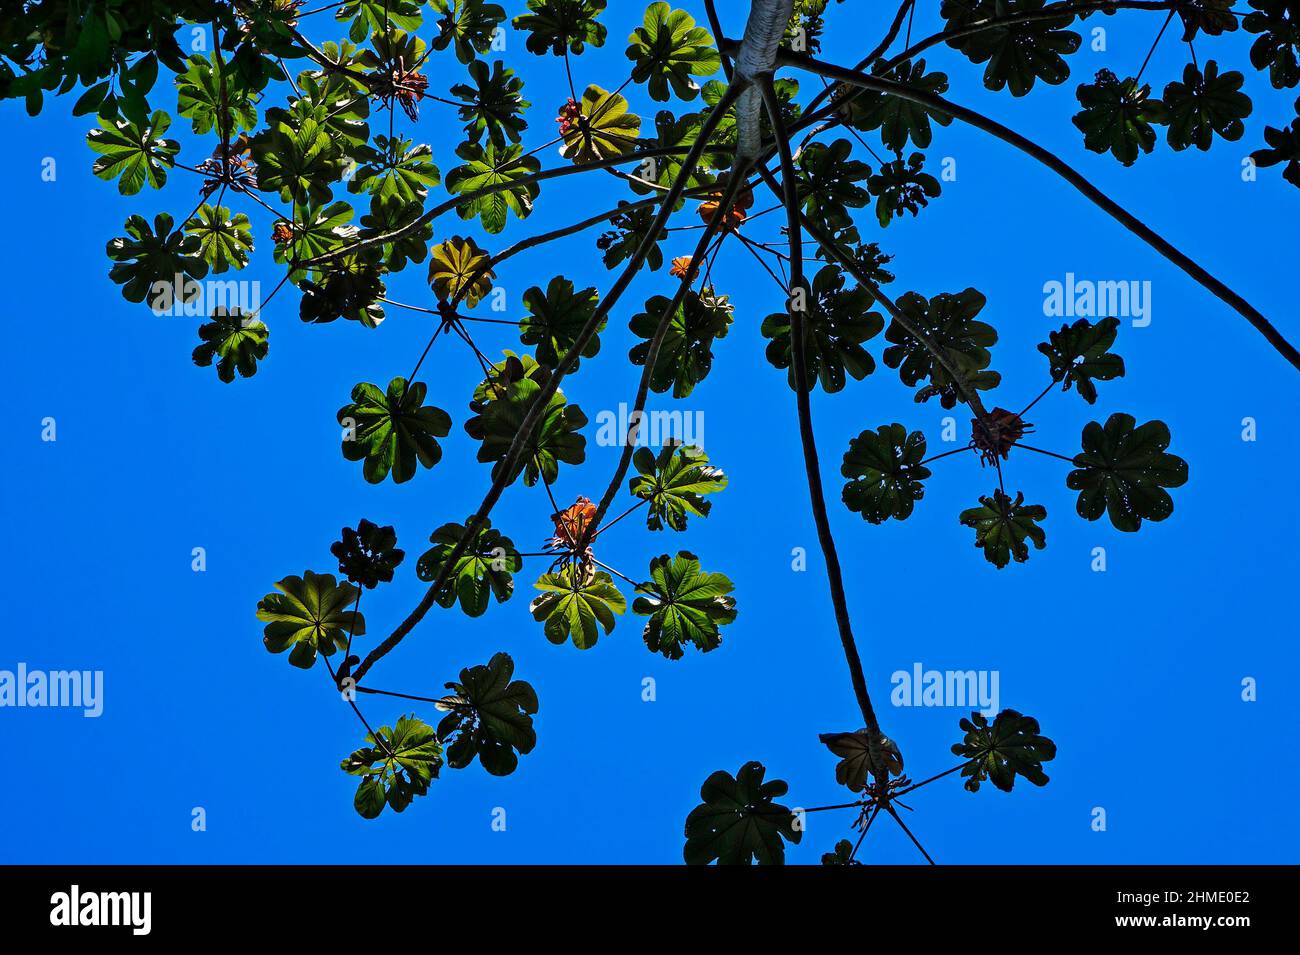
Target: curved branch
column 812, row 464
column 1070, row 175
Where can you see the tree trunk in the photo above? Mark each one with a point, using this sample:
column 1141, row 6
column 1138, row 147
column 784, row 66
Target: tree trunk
column 757, row 55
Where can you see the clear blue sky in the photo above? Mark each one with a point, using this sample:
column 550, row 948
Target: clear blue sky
column 1135, row 672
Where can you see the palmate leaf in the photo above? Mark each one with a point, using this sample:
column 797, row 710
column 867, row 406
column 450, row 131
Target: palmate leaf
column 1204, row 104
column 224, row 242
column 489, row 717
column 296, row 156
column 1123, row 471
column 842, row 854
column 1003, row 525
column 396, row 766
column 828, row 183
column 630, row 228
column 236, row 340
column 368, row 554
column 486, row 568
column 678, row 133
column 675, row 482
column 684, row 604
column 468, row 24
column 1017, row 54
column 154, row 256
column 348, row 287
column 488, row 166
column 686, row 353
column 1278, row 45
column 854, row 750
column 555, row 318
column 395, row 167
column 948, row 322
column 575, row 603
column 555, row 24
column 392, row 214
column 394, row 431
column 902, row 186
column 378, row 16
column 310, row 613
column 211, row 101
column 739, row 821
column 1117, row 116
column 601, row 128
column 837, row 324
column 493, row 105
column 669, row 49
column 1283, row 147
column 1080, row 353
column 1211, row 17
column 1011, row 746
column 898, row 119
column 133, row 154
column 500, row 404
column 317, row 230
column 344, row 99
column 886, row 472
column 459, row 269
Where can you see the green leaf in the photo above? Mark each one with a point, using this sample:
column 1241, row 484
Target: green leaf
column 394, row 214
column 309, row 613
column 224, row 242
column 902, row 187
column 468, row 24
column 686, row 353
column 886, row 471
column 393, row 431
column 948, row 322
column 1018, row 54
column 500, row 404
column 493, row 105
column 1124, row 470
column 397, row 168
column 1204, row 104
column 368, row 554
column 837, row 324
column 555, row 318
column 148, row 260
column 828, row 184
column 899, row 119
column 1211, row 17
column 678, row 134
column 670, row 49
column 317, row 230
column 1002, row 527
column 1080, row 353
column 133, row 154
column 1117, row 116
column 348, row 287
column 488, row 166
column 854, row 750
column 684, row 604
column 630, row 228
column 396, row 766
column 674, row 482
column 296, row 156
column 378, row 16
column 459, row 269
column 486, row 568
column 574, row 601
column 1011, row 745
column 210, row 100
column 555, row 24
column 239, row 341
column 489, row 717
column 842, row 854
column 739, row 820
column 599, row 127
column 1284, row 147
column 1278, row 45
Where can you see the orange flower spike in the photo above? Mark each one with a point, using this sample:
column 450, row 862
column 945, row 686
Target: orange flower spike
column 681, row 267
column 735, row 216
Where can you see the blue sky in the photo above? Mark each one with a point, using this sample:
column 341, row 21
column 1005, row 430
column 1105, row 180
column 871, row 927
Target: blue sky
column 1135, row 672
